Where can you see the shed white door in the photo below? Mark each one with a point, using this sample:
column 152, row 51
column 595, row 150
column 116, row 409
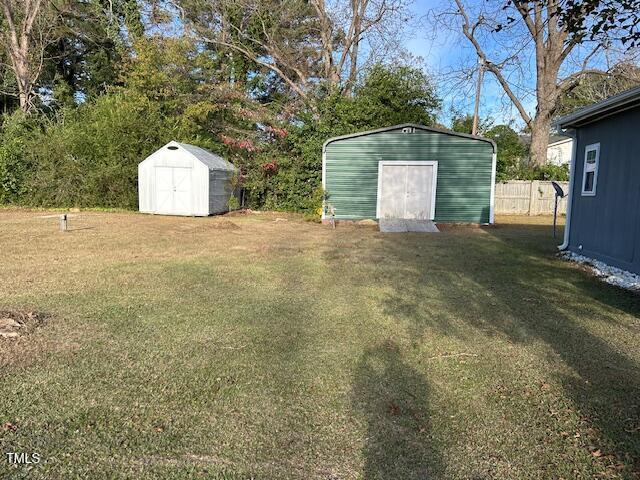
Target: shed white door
column 407, row 190
column 173, row 190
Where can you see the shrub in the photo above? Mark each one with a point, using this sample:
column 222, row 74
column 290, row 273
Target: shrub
column 88, row 156
column 15, row 139
column 559, row 173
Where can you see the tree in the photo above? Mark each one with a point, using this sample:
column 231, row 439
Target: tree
column 594, row 88
column 536, row 23
column 93, row 37
column 185, row 81
column 599, row 18
column 303, row 42
column 385, row 95
column 511, row 151
column 27, row 29
column 341, row 39
column 464, row 124
column 394, row 94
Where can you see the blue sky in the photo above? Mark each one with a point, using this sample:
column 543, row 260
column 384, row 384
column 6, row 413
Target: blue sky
column 447, row 50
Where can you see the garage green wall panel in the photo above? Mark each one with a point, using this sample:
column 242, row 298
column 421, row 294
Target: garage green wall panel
column 465, row 167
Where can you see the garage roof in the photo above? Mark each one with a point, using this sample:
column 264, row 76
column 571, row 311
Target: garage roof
column 411, row 125
column 211, row 160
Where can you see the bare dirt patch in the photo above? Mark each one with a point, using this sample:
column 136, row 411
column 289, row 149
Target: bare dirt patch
column 205, row 226
column 16, row 324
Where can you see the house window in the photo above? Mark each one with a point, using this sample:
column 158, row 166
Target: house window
column 590, row 173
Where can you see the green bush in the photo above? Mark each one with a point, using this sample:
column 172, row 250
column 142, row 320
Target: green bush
column 16, row 134
column 88, row 156
column 559, row 173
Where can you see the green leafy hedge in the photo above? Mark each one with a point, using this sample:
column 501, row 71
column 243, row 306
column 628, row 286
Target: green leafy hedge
column 85, row 156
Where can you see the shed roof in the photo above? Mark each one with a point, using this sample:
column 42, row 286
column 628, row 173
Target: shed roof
column 411, row 125
column 555, row 139
column 618, row 103
column 211, row 160
column 525, row 138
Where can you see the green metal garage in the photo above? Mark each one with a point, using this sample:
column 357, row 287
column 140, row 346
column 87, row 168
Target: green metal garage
column 412, row 172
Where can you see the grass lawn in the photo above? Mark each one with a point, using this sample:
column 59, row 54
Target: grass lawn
column 245, row 347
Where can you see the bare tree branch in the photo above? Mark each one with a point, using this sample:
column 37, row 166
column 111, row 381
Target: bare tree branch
column 304, row 42
column 28, row 32
column 468, row 31
column 552, row 47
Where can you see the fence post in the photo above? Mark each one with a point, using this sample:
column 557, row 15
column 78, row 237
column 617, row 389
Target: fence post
column 533, row 197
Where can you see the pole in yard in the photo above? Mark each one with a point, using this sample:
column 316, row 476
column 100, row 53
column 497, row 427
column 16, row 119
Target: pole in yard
column 559, row 194
column 476, row 107
column 555, row 215
column 63, row 222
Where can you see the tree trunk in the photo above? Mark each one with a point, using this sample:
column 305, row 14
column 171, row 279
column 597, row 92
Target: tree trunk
column 358, row 10
column 547, row 95
column 23, row 79
column 353, row 69
column 23, row 41
column 540, row 128
column 24, row 101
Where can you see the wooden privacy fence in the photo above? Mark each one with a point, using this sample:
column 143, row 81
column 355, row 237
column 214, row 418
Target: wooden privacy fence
column 525, row 197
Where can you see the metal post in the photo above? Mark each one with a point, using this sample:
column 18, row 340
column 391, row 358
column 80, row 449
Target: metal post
column 63, row 222
column 555, row 214
column 559, row 194
column 476, row 108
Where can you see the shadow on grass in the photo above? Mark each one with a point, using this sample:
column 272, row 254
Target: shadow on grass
column 391, row 397
column 607, row 386
column 508, row 283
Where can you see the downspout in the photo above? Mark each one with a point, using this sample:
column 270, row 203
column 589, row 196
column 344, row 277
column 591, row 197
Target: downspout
column 572, row 175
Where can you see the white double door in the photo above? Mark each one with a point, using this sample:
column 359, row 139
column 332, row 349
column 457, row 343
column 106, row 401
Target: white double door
column 173, row 190
column 407, row 190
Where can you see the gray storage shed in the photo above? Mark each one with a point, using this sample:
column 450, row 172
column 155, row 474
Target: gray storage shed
column 603, row 212
column 182, row 179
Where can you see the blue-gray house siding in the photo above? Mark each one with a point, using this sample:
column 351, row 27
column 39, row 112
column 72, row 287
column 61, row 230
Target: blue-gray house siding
column 607, row 226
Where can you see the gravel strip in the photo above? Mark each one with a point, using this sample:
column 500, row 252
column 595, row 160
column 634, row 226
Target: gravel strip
column 613, row 275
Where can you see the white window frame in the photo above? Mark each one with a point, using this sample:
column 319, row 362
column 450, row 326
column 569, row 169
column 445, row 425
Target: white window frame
column 434, row 180
column 590, row 148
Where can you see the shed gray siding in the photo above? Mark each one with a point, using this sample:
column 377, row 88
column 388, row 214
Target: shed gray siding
column 607, row 225
column 220, row 190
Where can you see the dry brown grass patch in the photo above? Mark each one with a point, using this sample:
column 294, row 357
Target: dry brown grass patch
column 15, row 324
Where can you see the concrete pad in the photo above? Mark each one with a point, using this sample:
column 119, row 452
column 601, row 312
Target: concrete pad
column 424, row 226
column 398, row 225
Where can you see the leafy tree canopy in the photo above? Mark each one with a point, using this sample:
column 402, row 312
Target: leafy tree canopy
column 511, row 151
column 464, row 124
column 595, row 87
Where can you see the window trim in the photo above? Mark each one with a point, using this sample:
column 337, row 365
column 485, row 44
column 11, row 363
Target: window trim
column 589, row 148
